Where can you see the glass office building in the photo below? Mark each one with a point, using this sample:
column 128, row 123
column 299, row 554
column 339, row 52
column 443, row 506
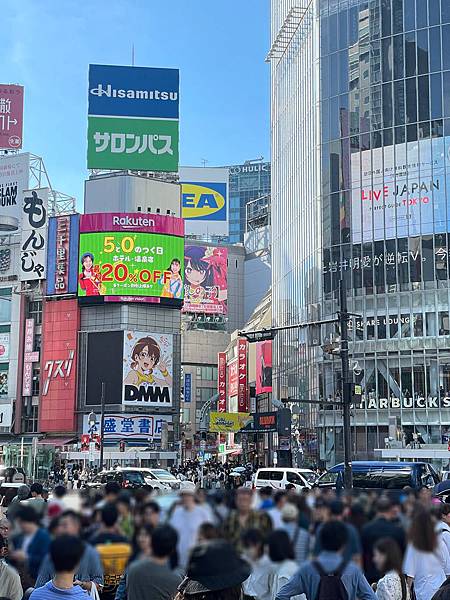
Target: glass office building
column 360, row 187
column 247, row 182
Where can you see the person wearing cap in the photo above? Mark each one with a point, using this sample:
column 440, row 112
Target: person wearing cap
column 352, row 551
column 215, row 572
column 244, row 517
column 23, row 493
column 299, row 536
column 186, row 520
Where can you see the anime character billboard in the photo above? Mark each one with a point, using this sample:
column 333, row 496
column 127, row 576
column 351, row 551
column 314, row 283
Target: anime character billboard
column 263, row 367
column 147, row 369
column 205, row 280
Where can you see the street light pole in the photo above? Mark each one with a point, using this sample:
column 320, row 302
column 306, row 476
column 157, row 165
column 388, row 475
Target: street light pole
column 346, row 384
column 102, row 424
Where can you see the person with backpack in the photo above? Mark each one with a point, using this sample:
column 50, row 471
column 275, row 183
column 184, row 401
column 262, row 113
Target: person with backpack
column 329, row 577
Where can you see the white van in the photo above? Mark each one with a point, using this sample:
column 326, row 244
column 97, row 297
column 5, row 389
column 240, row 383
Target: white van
column 280, row 477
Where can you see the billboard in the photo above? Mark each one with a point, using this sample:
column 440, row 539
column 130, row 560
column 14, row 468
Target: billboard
column 262, row 423
column 205, row 287
column 11, row 116
column 62, row 256
column 103, row 365
column 204, row 200
column 142, row 427
column 147, row 369
column 29, row 357
column 222, row 381
column 14, row 179
column 133, row 118
column 33, row 248
column 223, row 422
column 399, row 190
column 59, row 366
column 233, row 378
column 243, row 399
column 263, row 367
column 128, row 254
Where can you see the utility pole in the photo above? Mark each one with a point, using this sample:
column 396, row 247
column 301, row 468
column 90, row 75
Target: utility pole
column 102, row 424
column 346, row 384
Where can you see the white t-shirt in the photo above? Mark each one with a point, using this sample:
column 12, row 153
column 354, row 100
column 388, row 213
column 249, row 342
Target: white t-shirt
column 187, row 524
column 429, row 569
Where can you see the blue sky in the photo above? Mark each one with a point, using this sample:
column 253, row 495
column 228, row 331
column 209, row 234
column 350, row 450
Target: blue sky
column 218, row 45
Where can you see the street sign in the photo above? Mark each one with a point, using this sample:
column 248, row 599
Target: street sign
column 258, row 336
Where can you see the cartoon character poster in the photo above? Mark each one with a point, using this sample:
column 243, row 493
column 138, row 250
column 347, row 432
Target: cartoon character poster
column 147, row 369
column 263, row 367
column 205, row 279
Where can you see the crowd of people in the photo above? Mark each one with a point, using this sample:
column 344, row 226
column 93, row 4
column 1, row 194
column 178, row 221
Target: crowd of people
column 224, row 544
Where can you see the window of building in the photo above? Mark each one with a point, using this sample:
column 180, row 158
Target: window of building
column 4, row 379
column 5, row 305
column 35, row 386
column 35, row 311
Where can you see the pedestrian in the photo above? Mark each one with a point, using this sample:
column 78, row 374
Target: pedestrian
column 10, row 586
column 331, row 573
column 66, row 552
column 215, row 572
column 151, row 514
column 282, row 557
column 427, row 561
column 274, row 513
column 186, row 519
column 126, row 521
column 23, row 493
column 32, row 543
column 90, row 568
column 37, row 500
column 244, row 517
column 387, row 557
column 258, row 584
column 334, row 511
column 151, row 576
column 380, row 527
column 206, row 532
column 442, row 515
column 300, row 538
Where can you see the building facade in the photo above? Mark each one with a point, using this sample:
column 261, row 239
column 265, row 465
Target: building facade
column 360, row 195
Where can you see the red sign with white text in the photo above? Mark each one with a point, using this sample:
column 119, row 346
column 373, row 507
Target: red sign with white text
column 58, row 367
column 11, row 116
column 222, row 381
column 243, row 404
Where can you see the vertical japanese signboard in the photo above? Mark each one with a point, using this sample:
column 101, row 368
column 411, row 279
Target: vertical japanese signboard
column 133, row 118
column 243, row 404
column 222, row 381
column 233, row 378
column 62, row 257
column 11, row 116
column 29, row 357
column 187, row 388
column 33, row 249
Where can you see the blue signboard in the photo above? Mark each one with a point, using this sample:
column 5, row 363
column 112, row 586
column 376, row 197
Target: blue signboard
column 62, row 255
column 187, row 387
column 133, row 92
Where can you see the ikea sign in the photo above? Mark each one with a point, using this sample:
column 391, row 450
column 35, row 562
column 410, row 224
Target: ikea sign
column 204, row 201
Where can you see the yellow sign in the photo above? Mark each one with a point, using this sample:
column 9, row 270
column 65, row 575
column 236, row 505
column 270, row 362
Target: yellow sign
column 204, row 201
column 223, row 422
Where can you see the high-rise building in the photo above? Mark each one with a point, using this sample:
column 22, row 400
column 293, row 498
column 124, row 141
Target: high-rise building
column 360, row 140
column 250, row 181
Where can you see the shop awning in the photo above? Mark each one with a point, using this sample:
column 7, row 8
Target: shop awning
column 57, row 441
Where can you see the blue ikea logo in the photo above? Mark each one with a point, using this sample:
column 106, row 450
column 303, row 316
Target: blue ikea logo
column 204, row 201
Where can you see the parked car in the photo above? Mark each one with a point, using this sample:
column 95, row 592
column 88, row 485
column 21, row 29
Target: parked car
column 280, row 477
column 376, row 475
column 7, row 492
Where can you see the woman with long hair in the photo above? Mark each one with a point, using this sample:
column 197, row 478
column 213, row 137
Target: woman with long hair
column 387, row 557
column 282, row 556
column 427, row 561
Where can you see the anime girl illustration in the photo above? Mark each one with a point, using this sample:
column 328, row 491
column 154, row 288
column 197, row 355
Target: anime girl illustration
column 145, row 356
column 173, row 288
column 89, row 278
column 205, row 276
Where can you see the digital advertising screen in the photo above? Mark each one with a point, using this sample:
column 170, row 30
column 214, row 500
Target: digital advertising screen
column 206, row 272
column 129, row 257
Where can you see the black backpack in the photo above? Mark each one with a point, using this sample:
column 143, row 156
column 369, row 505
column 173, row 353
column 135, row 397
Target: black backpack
column 331, row 586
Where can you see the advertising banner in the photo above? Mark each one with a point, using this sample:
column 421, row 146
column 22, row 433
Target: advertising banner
column 233, row 378
column 204, row 200
column 187, row 388
column 104, row 365
column 14, row 179
column 133, row 118
column 243, row 401
column 222, row 381
column 28, row 356
column 224, row 422
column 33, row 249
column 11, row 116
column 147, row 369
column 262, row 423
column 131, row 255
column 130, row 427
column 60, row 327
column 62, row 256
column 5, row 415
column 399, row 190
column 4, row 345
column 205, row 288
column 263, row 367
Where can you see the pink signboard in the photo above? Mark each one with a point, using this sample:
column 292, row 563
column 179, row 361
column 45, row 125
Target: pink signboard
column 233, row 378
column 11, row 116
column 29, row 357
column 147, row 223
column 222, row 381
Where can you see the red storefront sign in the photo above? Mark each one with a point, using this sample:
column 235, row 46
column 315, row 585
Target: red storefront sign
column 243, row 404
column 58, row 380
column 222, row 381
